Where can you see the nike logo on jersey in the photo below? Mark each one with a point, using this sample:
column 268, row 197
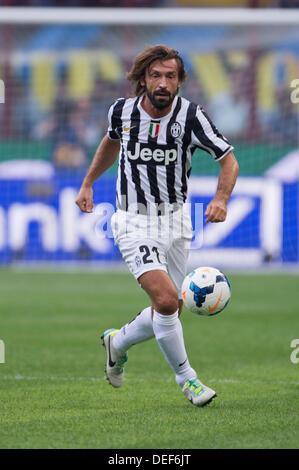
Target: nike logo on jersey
column 152, row 153
column 128, row 128
column 111, row 363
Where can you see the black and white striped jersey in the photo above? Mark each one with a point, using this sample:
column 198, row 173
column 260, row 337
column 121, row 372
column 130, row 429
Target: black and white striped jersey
column 155, row 155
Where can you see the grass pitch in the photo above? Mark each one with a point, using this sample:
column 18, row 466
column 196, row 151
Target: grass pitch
column 52, row 388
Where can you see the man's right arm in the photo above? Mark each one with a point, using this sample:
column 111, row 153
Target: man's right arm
column 106, row 154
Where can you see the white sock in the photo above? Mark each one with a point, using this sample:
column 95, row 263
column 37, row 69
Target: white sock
column 169, row 334
column 138, row 330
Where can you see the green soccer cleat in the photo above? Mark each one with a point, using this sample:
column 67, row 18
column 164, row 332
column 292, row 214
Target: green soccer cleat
column 114, row 365
column 197, row 393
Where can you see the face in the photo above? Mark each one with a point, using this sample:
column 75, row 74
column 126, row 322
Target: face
column 162, row 83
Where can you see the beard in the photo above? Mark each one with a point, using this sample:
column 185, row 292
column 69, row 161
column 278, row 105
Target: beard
column 157, row 101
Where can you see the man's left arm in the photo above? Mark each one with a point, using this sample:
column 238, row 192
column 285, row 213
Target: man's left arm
column 217, row 209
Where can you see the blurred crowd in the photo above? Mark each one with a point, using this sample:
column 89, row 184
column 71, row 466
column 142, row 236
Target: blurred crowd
column 74, row 127
column 86, row 3
column 153, row 3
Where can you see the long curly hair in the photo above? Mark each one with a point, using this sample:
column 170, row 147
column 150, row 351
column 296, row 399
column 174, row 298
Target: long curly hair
column 144, row 60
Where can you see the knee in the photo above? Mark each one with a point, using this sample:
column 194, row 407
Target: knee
column 166, row 303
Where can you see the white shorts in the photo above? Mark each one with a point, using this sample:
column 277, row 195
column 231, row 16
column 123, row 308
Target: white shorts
column 157, row 242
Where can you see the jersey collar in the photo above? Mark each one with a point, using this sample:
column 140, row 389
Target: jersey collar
column 142, row 111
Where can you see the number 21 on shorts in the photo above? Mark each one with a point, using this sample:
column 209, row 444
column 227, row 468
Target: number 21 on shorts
column 147, row 255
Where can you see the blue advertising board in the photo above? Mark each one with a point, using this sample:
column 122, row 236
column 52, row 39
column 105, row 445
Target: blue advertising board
column 40, row 222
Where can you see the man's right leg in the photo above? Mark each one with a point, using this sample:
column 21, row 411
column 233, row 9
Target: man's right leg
column 136, row 331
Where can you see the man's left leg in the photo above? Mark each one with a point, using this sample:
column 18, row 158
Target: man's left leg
column 166, row 324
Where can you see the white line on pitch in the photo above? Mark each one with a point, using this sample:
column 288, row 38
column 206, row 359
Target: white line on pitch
column 99, row 379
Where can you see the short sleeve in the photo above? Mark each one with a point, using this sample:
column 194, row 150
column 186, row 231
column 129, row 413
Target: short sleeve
column 114, row 120
column 206, row 136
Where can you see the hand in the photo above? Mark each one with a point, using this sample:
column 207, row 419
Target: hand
column 84, row 199
column 216, row 211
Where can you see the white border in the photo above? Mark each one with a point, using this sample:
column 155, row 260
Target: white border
column 151, row 16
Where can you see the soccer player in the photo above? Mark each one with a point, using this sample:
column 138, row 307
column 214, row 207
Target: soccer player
column 155, row 134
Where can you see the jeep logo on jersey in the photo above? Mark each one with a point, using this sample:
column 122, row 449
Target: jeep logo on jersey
column 152, row 153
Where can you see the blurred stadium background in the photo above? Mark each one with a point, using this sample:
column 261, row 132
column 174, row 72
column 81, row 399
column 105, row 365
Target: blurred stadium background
column 60, row 70
column 60, row 79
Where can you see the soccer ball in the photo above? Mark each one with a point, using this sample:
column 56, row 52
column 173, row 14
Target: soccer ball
column 206, row 291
